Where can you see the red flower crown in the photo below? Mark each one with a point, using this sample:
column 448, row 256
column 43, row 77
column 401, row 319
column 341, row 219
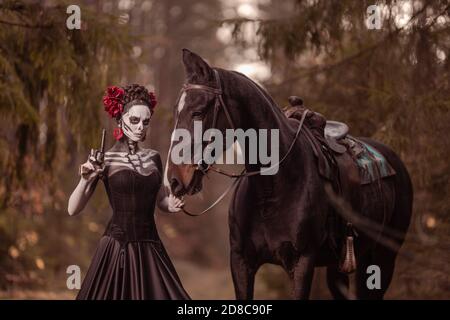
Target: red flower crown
column 113, row 102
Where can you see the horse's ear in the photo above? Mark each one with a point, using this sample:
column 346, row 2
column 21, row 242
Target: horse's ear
column 195, row 66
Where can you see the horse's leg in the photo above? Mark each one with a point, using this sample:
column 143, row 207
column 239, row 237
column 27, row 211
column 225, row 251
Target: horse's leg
column 302, row 276
column 382, row 257
column 243, row 276
column 338, row 283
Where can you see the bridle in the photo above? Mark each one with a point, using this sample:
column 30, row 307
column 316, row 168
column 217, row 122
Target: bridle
column 218, row 102
column 218, row 105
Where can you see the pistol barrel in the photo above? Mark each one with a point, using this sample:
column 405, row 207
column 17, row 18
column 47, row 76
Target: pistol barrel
column 102, row 146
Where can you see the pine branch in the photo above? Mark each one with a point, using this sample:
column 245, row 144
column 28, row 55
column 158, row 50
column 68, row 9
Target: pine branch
column 37, row 26
column 391, row 35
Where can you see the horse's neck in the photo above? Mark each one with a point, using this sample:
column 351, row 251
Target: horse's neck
column 261, row 113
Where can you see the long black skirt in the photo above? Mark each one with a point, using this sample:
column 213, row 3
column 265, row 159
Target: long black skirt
column 135, row 270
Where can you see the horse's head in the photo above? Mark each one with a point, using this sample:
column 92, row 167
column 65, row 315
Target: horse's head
column 200, row 105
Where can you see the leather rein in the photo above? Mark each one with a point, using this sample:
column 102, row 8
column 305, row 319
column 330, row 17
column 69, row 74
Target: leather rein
column 203, row 166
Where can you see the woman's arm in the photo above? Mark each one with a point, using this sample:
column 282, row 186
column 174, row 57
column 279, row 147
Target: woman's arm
column 84, row 189
column 167, row 202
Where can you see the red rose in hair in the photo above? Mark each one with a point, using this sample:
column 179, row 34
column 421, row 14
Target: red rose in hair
column 113, row 101
column 115, row 92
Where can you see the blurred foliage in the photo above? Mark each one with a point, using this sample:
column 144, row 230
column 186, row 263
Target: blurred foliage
column 51, row 82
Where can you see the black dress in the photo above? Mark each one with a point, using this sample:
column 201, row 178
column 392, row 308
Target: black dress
column 131, row 262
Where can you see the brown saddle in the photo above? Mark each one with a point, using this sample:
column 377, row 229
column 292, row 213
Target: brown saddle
column 335, row 154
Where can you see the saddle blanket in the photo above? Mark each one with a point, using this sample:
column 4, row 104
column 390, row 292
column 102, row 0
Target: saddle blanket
column 371, row 163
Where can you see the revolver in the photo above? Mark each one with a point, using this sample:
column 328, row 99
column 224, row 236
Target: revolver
column 96, row 156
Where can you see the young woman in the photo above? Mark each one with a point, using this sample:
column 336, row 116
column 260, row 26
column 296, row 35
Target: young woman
column 130, row 261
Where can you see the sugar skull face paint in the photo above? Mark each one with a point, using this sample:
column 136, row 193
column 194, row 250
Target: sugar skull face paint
column 135, row 122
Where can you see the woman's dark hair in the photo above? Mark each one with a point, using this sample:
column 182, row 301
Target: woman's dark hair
column 137, row 94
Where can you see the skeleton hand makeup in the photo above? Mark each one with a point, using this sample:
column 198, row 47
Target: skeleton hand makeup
column 135, row 122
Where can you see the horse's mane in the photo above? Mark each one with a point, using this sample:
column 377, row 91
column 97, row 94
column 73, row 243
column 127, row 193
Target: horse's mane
column 260, row 89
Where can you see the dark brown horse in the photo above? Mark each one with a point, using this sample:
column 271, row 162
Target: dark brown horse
column 282, row 218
